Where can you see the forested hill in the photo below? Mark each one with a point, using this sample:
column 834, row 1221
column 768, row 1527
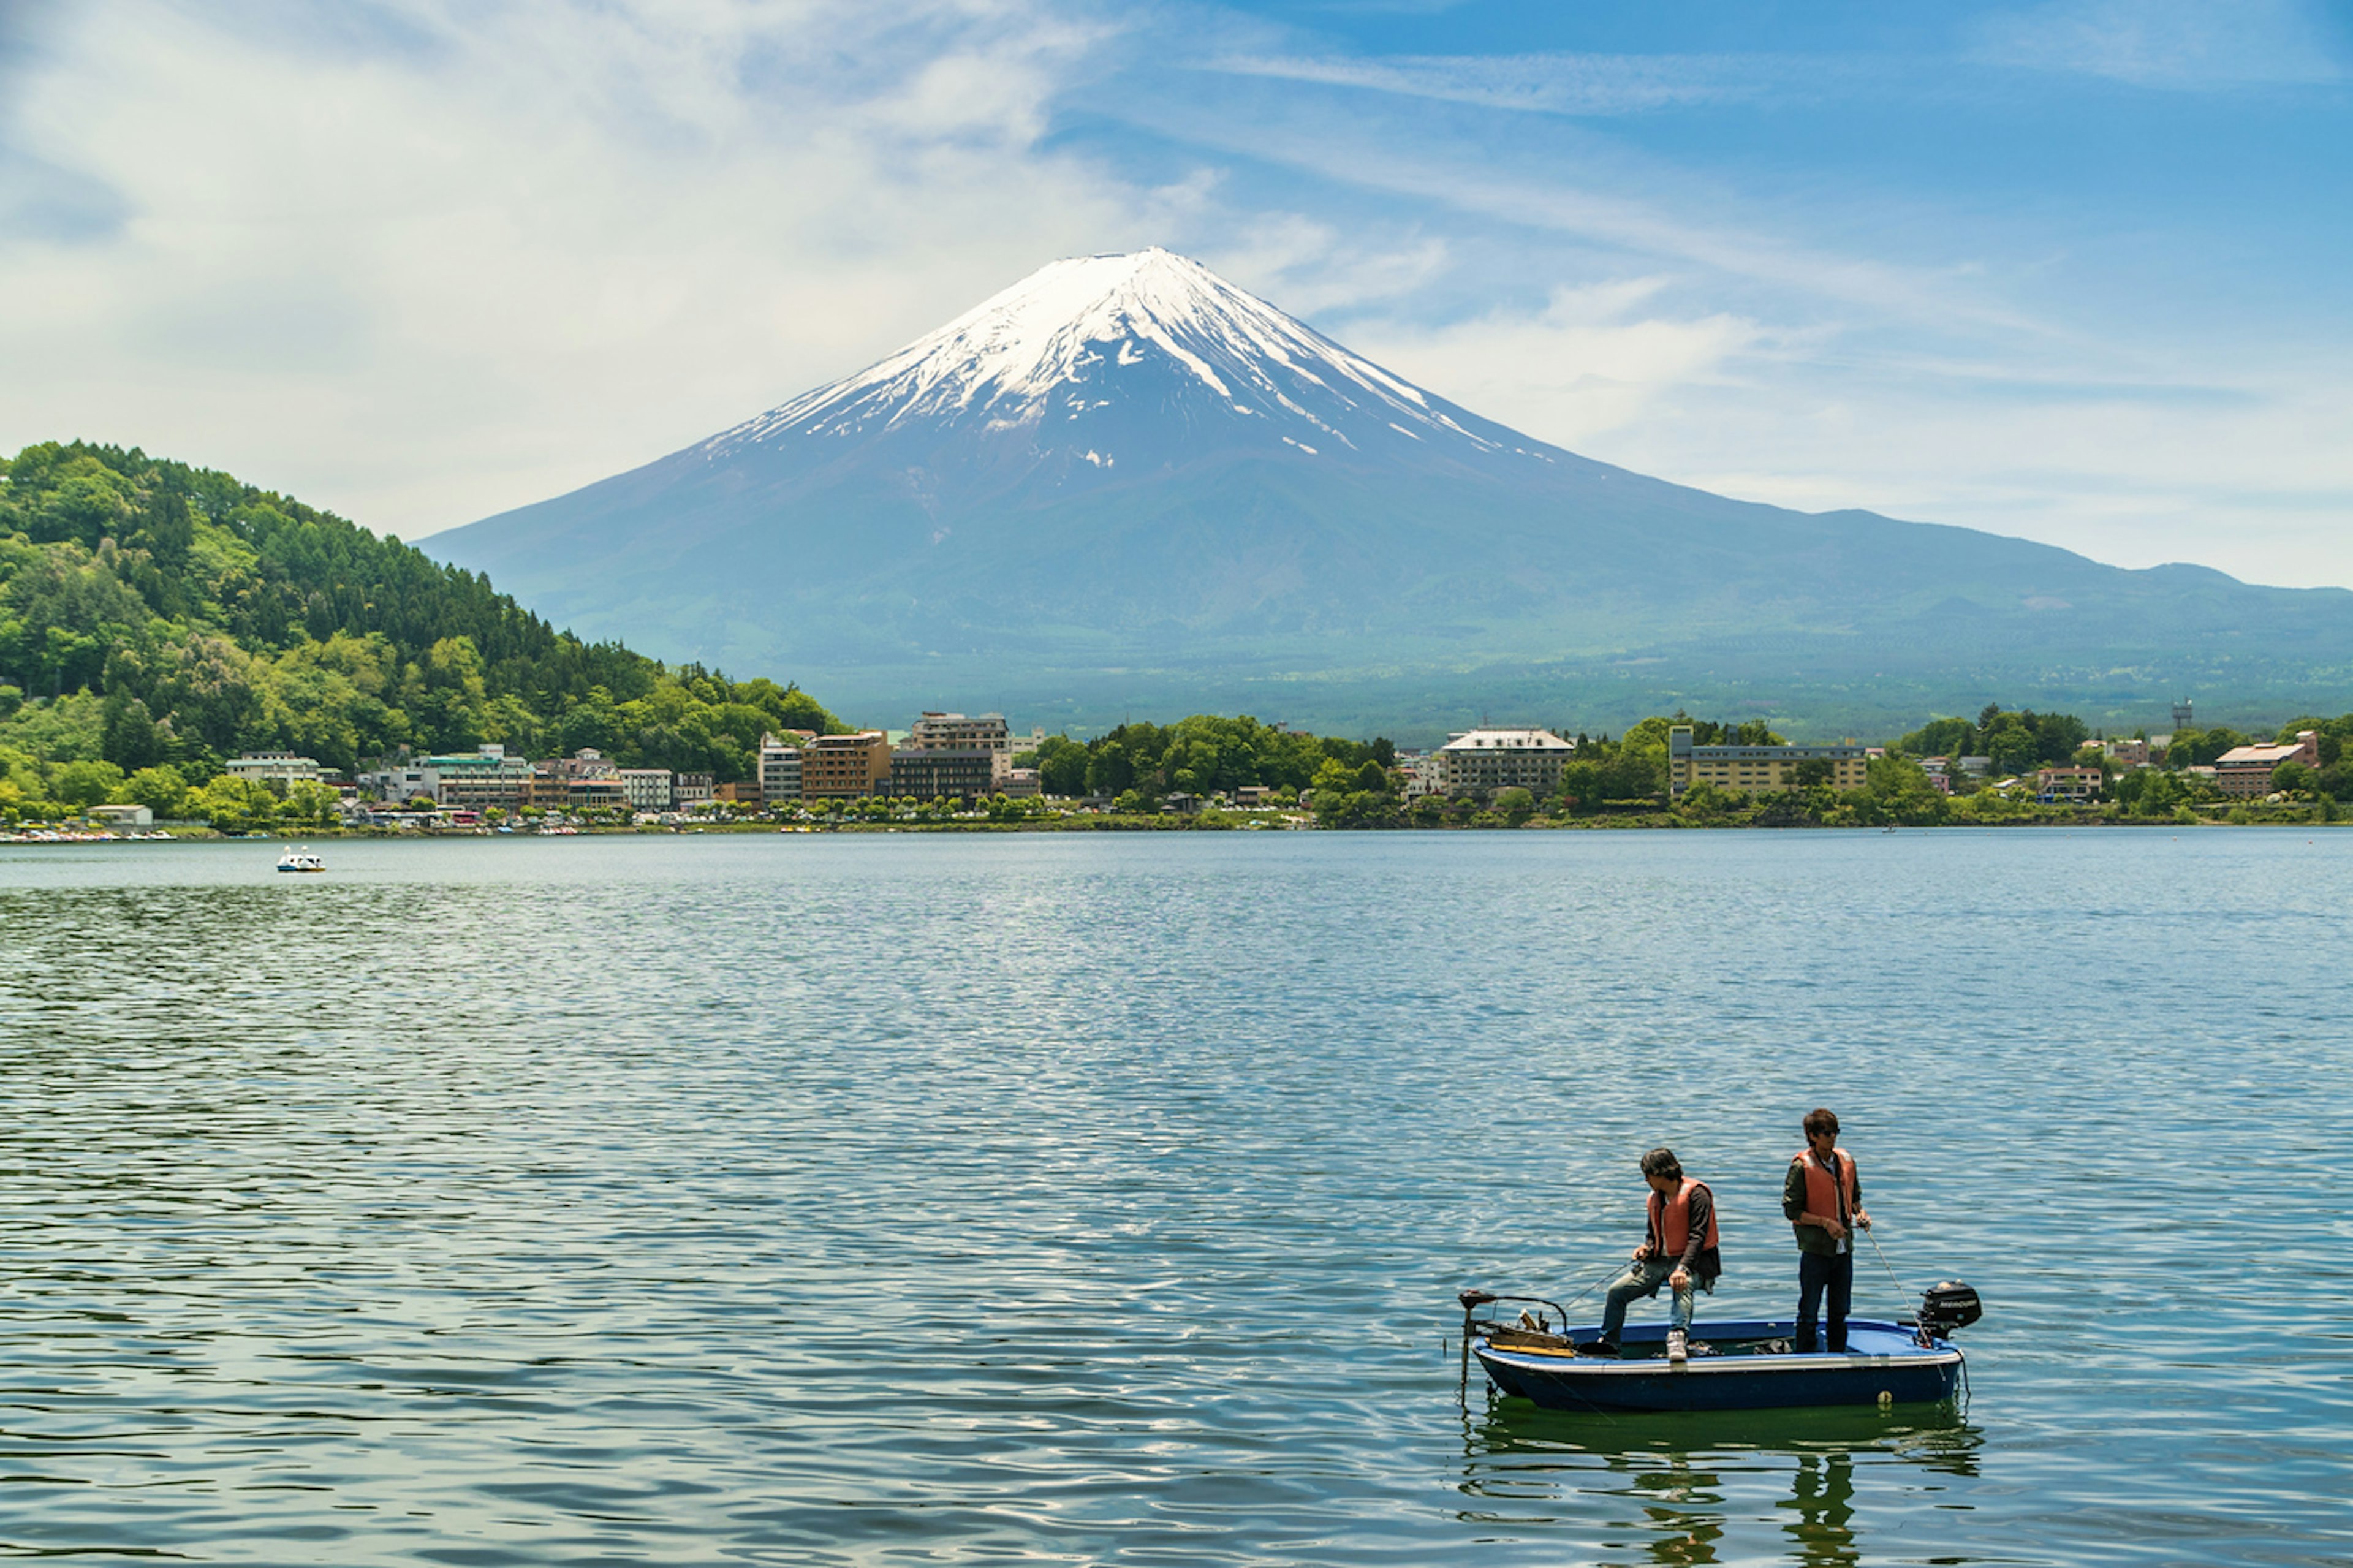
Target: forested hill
column 151, row 612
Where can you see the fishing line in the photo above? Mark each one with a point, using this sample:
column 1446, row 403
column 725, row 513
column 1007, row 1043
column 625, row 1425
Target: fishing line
column 1901, row 1292
column 1610, row 1273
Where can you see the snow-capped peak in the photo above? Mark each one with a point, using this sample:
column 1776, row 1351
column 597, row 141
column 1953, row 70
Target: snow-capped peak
column 1069, row 352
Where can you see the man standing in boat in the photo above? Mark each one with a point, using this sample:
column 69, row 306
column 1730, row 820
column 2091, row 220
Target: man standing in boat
column 1822, row 1196
column 1679, row 1250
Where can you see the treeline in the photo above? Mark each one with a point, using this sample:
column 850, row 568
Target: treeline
column 153, row 615
column 2017, row 739
column 1205, row 754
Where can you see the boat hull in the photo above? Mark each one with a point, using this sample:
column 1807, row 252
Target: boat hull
column 1883, row 1364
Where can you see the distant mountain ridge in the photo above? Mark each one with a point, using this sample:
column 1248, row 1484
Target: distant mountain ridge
column 1125, row 483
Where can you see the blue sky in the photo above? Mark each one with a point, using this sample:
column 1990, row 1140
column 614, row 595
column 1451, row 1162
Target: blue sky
column 2074, row 270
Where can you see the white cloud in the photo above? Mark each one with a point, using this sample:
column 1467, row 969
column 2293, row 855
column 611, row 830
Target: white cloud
column 535, row 245
column 2172, row 44
column 1310, row 266
column 1589, row 363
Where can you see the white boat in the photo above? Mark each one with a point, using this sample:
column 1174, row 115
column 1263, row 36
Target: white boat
column 302, row 859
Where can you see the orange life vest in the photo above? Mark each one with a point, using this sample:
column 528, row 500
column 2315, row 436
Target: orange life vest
column 1670, row 1219
column 1824, row 1194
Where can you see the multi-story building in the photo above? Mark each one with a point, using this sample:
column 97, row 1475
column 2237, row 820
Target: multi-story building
column 780, row 767
column 689, row 790
column 2247, row 770
column 955, row 732
column 932, row 773
column 2132, row 754
column 647, row 789
column 2068, row 784
column 1749, row 769
column 280, row 768
column 1481, row 761
column 839, row 765
column 587, row 780
column 484, row 777
column 401, row 781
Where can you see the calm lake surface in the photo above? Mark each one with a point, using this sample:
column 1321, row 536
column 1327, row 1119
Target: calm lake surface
column 1103, row 1199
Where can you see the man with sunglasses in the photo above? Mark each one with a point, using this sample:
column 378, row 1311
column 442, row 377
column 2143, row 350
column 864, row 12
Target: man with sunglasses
column 1822, row 1196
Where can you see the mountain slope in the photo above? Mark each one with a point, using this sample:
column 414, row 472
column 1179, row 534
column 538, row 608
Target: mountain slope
column 1124, row 464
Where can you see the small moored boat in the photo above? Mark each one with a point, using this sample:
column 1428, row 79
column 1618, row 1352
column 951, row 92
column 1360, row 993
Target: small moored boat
column 1738, row 1365
column 302, row 859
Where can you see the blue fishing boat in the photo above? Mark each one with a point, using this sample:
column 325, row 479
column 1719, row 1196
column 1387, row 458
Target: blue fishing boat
column 1737, row 1365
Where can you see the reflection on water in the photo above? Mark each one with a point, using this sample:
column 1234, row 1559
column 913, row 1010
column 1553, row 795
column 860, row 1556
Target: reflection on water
column 846, row 1204
column 1677, row 1482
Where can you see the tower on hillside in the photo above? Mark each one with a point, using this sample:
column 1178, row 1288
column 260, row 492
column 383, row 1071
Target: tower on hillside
column 2181, row 715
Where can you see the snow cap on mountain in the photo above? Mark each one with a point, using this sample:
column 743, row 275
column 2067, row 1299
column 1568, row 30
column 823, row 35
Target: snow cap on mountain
column 1072, row 351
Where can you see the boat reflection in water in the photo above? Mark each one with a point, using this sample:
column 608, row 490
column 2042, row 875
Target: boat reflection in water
column 1794, row 1485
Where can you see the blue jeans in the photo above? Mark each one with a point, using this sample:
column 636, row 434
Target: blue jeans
column 1643, row 1278
column 1821, row 1276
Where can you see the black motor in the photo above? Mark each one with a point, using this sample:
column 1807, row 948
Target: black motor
column 1947, row 1306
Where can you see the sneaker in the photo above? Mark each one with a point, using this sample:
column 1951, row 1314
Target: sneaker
column 1599, row 1347
column 1678, row 1348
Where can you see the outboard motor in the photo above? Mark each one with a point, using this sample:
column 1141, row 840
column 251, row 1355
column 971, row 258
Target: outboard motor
column 1947, row 1306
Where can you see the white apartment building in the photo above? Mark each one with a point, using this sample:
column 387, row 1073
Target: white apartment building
column 1481, row 761
column 780, row 770
column 397, row 783
column 280, row 768
column 646, row 789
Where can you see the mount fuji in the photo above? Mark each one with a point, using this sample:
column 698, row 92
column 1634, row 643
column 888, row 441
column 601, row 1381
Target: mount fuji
column 1124, row 483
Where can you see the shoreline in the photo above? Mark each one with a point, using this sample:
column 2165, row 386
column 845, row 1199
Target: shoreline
column 2304, row 818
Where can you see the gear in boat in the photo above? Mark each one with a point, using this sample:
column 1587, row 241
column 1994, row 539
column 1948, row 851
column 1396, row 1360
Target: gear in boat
column 1749, row 1364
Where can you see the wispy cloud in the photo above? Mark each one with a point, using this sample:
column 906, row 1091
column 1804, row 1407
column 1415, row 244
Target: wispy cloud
column 2182, row 45
column 1594, row 85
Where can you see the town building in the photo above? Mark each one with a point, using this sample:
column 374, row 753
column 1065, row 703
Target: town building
column 399, row 783
column 932, row 773
column 1481, row 761
column 955, row 732
column 1747, row 770
column 280, row 768
column 647, row 789
column 2247, row 770
column 780, row 767
column 481, row 778
column 587, row 780
column 1019, row 783
column 131, row 818
column 835, row 766
column 688, row 790
column 746, row 791
column 2068, row 784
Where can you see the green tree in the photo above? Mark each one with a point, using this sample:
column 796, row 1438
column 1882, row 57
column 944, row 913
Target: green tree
column 161, row 789
column 1062, row 766
column 86, row 784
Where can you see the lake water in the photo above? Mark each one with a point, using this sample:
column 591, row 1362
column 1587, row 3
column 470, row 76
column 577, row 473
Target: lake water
column 1103, row 1199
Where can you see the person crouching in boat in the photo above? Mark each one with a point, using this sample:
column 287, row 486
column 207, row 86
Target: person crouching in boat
column 1679, row 1251
column 1822, row 1196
